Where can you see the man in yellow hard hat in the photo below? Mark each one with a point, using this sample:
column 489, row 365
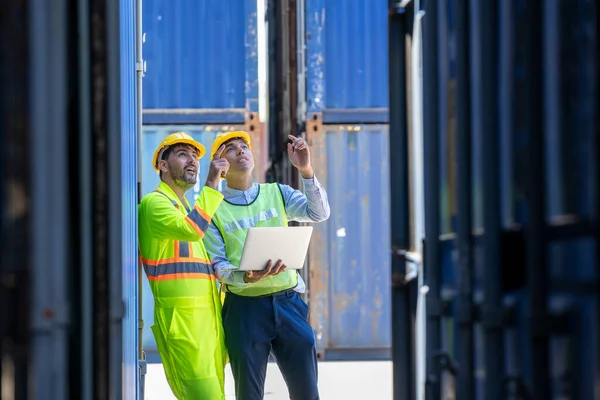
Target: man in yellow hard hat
column 187, row 309
column 263, row 311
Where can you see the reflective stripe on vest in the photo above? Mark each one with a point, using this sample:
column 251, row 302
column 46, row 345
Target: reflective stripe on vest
column 183, row 265
column 233, row 221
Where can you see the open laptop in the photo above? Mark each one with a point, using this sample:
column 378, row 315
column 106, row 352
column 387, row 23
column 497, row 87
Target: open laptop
column 288, row 244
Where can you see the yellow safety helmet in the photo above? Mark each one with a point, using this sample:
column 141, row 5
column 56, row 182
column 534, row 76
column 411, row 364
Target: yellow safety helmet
column 173, row 139
column 225, row 136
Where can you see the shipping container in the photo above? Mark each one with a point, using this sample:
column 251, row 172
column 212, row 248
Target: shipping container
column 68, row 284
column 346, row 125
column 346, row 60
column 346, row 99
column 510, row 135
column 201, row 77
column 349, row 291
column 201, row 61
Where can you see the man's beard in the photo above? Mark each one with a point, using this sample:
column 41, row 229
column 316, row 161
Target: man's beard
column 181, row 179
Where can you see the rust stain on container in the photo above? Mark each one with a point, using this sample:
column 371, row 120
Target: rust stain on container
column 350, row 283
column 257, row 135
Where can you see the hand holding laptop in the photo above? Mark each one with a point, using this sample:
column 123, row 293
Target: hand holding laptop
column 264, row 245
column 270, row 270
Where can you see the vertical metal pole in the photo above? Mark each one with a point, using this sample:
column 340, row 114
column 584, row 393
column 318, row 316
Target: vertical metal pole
column 102, row 114
column 432, row 257
column 417, row 195
column 50, row 317
column 84, row 164
column 493, row 333
column 281, row 17
column 113, row 211
column 402, row 332
column 139, row 66
column 535, row 240
column 464, row 204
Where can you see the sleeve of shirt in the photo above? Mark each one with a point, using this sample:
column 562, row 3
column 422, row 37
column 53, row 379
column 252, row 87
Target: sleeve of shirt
column 310, row 206
column 166, row 222
column 226, row 272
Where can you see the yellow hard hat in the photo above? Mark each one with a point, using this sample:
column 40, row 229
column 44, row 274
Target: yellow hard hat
column 173, row 139
column 225, row 136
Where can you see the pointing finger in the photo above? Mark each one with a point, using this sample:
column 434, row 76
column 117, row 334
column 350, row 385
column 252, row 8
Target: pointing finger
column 219, row 152
column 300, row 146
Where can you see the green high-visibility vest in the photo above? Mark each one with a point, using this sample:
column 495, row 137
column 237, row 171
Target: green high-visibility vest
column 233, row 221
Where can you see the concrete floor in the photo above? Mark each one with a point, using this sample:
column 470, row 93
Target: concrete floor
column 364, row 380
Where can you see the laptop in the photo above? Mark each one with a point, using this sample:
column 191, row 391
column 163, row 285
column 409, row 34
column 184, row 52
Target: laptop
column 288, row 244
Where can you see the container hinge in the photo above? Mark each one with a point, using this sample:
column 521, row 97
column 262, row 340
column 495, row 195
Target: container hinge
column 143, row 364
column 143, row 369
column 412, row 261
column 513, row 386
column 437, row 307
column 140, row 66
column 442, row 362
column 445, row 362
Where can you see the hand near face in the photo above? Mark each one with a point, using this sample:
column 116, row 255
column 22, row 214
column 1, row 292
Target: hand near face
column 218, row 169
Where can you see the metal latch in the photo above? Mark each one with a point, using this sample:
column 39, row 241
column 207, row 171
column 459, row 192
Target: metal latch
column 413, row 261
column 140, row 66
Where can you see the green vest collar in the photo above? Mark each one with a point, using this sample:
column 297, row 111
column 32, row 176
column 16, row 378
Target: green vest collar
column 166, row 189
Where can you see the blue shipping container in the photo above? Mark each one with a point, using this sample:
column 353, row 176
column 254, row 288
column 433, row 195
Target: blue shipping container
column 568, row 254
column 201, row 59
column 346, row 53
column 201, row 68
column 349, row 256
column 349, row 285
column 346, row 60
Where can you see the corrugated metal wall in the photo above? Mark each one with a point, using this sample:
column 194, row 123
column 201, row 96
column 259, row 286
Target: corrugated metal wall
column 513, row 279
column 346, row 46
column 347, row 100
column 129, row 198
column 201, row 60
column 349, row 282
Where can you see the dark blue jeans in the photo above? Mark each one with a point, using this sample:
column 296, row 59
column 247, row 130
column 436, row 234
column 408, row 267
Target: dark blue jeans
column 255, row 326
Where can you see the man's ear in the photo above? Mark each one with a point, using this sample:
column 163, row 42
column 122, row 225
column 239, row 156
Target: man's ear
column 162, row 165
